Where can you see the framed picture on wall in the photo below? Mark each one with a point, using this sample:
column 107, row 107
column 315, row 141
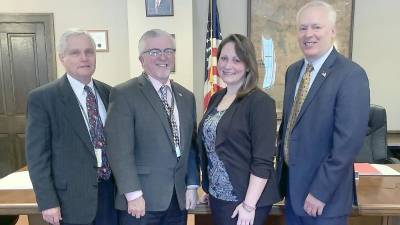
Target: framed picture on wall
column 100, row 38
column 159, row 8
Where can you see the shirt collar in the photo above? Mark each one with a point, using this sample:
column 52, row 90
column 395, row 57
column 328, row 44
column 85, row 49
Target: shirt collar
column 78, row 86
column 157, row 84
column 318, row 62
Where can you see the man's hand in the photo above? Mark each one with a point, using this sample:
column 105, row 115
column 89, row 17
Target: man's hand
column 191, row 198
column 313, row 206
column 52, row 215
column 137, row 207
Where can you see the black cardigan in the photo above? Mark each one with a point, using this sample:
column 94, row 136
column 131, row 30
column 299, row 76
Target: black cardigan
column 245, row 143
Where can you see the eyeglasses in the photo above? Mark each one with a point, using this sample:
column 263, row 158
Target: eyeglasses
column 155, row 52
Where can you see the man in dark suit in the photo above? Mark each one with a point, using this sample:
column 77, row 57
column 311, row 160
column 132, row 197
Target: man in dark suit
column 151, row 129
column 325, row 116
column 65, row 140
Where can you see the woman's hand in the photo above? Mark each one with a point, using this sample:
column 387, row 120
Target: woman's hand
column 245, row 214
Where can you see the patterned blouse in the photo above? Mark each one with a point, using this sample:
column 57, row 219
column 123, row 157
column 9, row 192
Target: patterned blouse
column 220, row 186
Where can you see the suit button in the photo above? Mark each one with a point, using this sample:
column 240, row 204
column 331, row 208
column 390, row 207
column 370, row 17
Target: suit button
column 95, row 185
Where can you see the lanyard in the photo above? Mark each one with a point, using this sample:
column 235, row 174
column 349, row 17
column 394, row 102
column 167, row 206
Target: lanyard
column 85, row 114
column 170, row 108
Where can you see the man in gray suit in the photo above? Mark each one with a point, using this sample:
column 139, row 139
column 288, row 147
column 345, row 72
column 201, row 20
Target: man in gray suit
column 151, row 139
column 65, row 140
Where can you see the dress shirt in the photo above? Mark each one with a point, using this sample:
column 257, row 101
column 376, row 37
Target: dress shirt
column 316, row 65
column 80, row 94
column 157, row 85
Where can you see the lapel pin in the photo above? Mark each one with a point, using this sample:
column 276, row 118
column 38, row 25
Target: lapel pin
column 323, row 73
column 180, row 94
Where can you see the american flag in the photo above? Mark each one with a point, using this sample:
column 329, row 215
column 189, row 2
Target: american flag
column 213, row 82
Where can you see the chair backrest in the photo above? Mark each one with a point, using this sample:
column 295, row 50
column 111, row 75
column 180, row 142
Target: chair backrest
column 374, row 149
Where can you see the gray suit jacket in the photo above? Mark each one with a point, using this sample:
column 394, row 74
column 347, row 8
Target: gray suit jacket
column 140, row 147
column 59, row 152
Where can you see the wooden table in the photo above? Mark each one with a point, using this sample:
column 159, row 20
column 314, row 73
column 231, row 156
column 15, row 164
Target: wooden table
column 378, row 197
column 378, row 203
column 20, row 202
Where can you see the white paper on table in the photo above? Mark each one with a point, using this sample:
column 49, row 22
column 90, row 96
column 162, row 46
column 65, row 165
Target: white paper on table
column 385, row 170
column 17, row 180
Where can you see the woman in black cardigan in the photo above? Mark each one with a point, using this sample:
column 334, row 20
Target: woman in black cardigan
column 237, row 138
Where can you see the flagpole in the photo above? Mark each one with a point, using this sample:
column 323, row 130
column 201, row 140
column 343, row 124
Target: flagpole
column 212, row 83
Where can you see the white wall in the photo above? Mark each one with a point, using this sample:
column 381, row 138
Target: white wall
column 180, row 24
column 376, row 47
column 112, row 66
column 375, row 44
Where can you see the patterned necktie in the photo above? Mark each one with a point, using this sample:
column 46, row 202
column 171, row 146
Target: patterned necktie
column 298, row 102
column 97, row 132
column 171, row 118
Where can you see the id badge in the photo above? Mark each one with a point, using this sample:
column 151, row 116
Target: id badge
column 97, row 152
column 178, row 151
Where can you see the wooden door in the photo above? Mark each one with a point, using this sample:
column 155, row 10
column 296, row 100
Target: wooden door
column 27, row 60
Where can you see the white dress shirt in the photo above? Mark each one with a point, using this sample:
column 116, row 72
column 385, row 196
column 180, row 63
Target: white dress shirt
column 157, row 85
column 316, row 65
column 80, row 94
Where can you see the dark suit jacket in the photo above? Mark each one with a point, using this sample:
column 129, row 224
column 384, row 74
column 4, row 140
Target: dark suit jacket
column 140, row 145
column 245, row 143
column 327, row 135
column 59, row 152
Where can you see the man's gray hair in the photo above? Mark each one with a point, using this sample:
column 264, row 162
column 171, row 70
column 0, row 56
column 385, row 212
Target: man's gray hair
column 63, row 43
column 329, row 8
column 153, row 34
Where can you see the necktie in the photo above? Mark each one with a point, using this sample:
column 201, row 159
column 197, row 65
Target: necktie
column 298, row 102
column 171, row 118
column 97, row 132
